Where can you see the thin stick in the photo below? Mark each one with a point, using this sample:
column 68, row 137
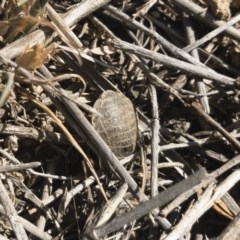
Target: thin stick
column 216, row 125
column 200, row 84
column 211, row 195
column 19, row 167
column 205, row 17
column 68, row 196
column 114, row 12
column 46, row 191
column 63, row 28
column 232, row 231
column 30, row 227
column 32, row 133
column 183, row 196
column 82, row 10
column 147, row 206
column 212, row 34
column 8, row 88
column 172, row 62
column 34, row 230
column 11, row 213
column 155, row 142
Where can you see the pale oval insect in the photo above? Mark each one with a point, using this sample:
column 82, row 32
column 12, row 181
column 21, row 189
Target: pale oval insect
column 117, row 124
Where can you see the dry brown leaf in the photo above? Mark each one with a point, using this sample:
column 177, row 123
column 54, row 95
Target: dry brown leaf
column 32, row 58
column 20, row 23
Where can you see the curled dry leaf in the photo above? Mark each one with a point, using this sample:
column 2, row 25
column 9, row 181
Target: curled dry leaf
column 32, row 58
column 20, row 23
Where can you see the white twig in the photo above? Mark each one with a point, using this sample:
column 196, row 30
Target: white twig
column 211, row 195
column 11, row 214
